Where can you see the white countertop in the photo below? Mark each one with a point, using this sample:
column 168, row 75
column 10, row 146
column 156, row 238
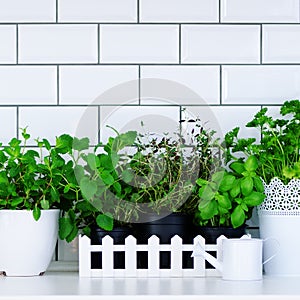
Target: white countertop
column 68, row 285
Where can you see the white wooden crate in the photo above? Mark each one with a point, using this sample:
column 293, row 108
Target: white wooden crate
column 153, row 248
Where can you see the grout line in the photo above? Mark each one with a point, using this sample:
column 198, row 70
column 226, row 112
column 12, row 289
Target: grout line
column 220, row 4
column 56, row 18
column 138, row 11
column 180, row 44
column 261, row 44
column 139, row 85
column 17, row 121
column 221, row 81
column 99, row 119
column 17, row 44
column 57, row 87
column 98, row 41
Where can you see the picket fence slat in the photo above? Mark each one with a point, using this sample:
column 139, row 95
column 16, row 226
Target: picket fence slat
column 153, row 248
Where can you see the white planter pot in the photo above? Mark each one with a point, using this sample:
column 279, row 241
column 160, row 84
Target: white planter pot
column 279, row 218
column 27, row 246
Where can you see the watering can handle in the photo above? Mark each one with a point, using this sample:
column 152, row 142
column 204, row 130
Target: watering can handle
column 272, row 256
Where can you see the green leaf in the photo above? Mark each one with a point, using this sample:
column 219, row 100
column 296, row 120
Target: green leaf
column 81, row 144
column 209, row 211
column 227, row 183
column 236, row 189
column 15, row 202
column 237, row 167
column 45, row 204
column 238, row 217
column 206, row 193
column 246, row 186
column 65, row 227
column 251, row 164
column 105, row 222
column 72, row 234
column 127, row 176
column 54, row 194
column 36, row 212
column 88, row 188
column 79, row 172
column 93, row 161
column 118, row 188
column 258, row 184
column 107, row 178
column 218, row 176
column 201, row 181
column 123, row 140
column 224, row 201
column 47, row 144
column 254, row 199
column 64, row 143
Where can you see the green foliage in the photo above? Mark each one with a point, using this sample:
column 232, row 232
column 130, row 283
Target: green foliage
column 228, row 198
column 39, row 179
column 278, row 151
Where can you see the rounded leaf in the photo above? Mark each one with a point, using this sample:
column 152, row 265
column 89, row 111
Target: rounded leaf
column 238, row 217
column 251, row 164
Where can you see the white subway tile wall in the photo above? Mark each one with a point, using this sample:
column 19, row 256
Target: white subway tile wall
column 8, row 44
column 281, row 44
column 75, row 66
column 122, row 43
column 164, row 11
column 97, row 11
column 219, row 44
column 260, row 11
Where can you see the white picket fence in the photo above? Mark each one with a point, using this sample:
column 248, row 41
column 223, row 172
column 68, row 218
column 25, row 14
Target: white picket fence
column 153, row 248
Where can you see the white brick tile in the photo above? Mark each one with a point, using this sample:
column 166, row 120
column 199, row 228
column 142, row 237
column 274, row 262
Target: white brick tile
column 180, row 84
column 8, row 121
column 97, row 10
column 49, row 122
column 98, row 84
column 158, row 119
column 225, row 118
column 28, row 85
column 18, row 11
column 179, row 11
column 281, row 43
column 260, row 84
column 7, row 44
column 259, row 11
column 58, row 44
column 220, row 43
column 139, row 43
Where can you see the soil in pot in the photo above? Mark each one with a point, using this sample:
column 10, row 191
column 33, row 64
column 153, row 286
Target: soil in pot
column 119, row 234
column 165, row 228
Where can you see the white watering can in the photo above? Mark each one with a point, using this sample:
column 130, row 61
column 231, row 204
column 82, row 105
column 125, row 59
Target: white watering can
column 241, row 258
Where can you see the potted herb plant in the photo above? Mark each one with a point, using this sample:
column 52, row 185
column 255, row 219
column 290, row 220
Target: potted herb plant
column 278, row 153
column 227, row 199
column 35, row 185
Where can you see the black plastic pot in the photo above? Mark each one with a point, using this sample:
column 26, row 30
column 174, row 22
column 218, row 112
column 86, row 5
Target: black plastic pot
column 165, row 228
column 119, row 234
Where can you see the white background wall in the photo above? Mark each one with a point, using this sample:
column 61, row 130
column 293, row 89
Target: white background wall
column 58, row 56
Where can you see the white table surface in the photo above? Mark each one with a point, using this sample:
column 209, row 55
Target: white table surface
column 68, row 285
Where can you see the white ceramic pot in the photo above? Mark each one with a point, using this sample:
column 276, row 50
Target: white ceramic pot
column 27, row 246
column 279, row 218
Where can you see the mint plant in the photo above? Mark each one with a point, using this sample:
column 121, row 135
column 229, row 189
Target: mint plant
column 278, row 150
column 39, row 178
column 228, row 198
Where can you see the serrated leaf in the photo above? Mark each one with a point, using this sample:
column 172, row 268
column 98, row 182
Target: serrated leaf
column 64, row 143
column 93, row 161
column 105, row 222
column 80, row 144
column 88, row 188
